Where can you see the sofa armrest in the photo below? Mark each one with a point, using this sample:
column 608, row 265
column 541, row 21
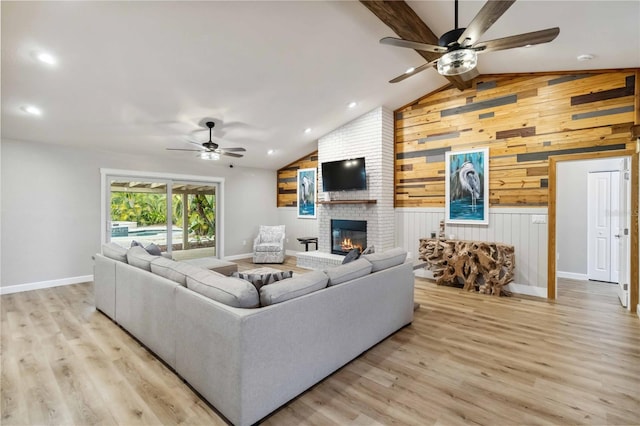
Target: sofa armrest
column 104, row 280
column 208, row 350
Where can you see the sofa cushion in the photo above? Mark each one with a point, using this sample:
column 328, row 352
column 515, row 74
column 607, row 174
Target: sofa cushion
column 293, row 287
column 259, row 280
column 228, row 290
column 349, row 271
column 137, row 256
column 387, row 259
column 175, row 271
column 115, row 251
column 213, row 263
column 262, row 247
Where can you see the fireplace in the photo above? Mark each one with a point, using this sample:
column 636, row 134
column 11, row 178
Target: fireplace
column 347, row 235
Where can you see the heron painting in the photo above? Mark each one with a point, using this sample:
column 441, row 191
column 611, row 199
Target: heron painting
column 466, row 187
column 307, row 193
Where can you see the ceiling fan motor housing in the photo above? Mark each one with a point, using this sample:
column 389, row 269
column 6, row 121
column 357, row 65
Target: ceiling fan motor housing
column 450, row 38
column 210, row 145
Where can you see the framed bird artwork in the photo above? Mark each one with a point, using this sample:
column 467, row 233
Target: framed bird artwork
column 467, row 187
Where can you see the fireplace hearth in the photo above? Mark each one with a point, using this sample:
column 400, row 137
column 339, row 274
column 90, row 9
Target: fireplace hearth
column 347, row 235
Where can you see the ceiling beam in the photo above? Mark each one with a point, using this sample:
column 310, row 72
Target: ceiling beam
column 398, row 16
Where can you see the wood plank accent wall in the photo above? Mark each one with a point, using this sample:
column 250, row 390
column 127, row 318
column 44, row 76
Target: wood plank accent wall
column 523, row 119
column 287, row 176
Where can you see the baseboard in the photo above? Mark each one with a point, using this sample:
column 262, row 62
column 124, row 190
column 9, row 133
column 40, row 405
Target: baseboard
column 238, row 256
column 572, row 276
column 45, row 284
column 528, row 290
column 423, row 273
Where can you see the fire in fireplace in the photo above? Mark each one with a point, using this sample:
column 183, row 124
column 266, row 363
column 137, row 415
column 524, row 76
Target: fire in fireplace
column 347, row 235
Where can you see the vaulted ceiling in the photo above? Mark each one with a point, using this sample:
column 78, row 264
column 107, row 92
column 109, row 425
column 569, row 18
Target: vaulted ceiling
column 139, row 77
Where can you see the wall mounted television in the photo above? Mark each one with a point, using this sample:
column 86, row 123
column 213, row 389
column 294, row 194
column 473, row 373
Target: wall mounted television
column 344, row 175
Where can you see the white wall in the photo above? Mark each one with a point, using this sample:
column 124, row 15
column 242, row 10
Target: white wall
column 51, row 206
column 571, row 213
column 296, row 228
column 506, row 225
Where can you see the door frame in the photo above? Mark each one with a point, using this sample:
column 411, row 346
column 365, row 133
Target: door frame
column 551, row 242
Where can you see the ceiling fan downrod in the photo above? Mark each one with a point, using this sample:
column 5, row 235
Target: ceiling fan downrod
column 450, row 38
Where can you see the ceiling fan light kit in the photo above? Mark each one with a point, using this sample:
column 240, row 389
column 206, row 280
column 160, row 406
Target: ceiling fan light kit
column 208, row 155
column 457, row 62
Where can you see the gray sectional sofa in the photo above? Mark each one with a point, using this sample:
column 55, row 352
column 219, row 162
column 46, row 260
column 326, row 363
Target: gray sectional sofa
column 247, row 362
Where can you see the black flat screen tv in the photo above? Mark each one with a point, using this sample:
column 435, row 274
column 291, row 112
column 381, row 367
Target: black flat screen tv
column 344, row 175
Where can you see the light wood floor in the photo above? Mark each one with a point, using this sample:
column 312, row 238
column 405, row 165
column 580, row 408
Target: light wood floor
column 466, row 359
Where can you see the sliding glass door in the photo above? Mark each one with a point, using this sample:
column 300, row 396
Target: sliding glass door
column 194, row 212
column 180, row 216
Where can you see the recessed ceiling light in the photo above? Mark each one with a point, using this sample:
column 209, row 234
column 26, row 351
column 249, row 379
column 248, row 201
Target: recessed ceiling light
column 32, row 110
column 45, row 57
column 270, row 152
column 307, row 130
column 352, row 104
column 528, row 46
column 410, row 70
column 585, row 57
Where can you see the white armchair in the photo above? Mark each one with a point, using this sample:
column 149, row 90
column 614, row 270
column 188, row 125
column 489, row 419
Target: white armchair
column 268, row 246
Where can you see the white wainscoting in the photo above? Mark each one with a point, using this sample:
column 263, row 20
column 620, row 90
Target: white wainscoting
column 506, row 225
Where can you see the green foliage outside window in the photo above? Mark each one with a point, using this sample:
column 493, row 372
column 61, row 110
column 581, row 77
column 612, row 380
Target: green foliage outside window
column 150, row 209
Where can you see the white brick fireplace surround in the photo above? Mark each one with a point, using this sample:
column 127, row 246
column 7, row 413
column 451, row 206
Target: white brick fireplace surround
column 369, row 136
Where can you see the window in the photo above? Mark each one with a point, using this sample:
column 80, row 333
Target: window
column 180, row 214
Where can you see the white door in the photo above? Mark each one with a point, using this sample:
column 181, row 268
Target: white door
column 599, row 226
column 622, row 232
column 616, row 219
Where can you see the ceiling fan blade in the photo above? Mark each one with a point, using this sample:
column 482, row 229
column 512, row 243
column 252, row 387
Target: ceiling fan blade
column 180, row 149
column 398, row 42
column 414, row 72
column 231, row 154
column 520, row 40
column 234, row 149
column 488, row 15
column 194, row 142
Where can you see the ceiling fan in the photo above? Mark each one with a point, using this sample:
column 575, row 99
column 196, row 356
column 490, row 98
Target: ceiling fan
column 459, row 47
column 211, row 150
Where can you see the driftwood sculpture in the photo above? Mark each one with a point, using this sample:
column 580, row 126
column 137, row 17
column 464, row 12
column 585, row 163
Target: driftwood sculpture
column 488, row 266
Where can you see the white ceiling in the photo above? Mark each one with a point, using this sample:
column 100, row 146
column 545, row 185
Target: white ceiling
column 137, row 77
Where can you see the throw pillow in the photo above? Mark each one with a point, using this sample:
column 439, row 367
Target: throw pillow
column 151, row 248
column 259, row 280
column 351, row 256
